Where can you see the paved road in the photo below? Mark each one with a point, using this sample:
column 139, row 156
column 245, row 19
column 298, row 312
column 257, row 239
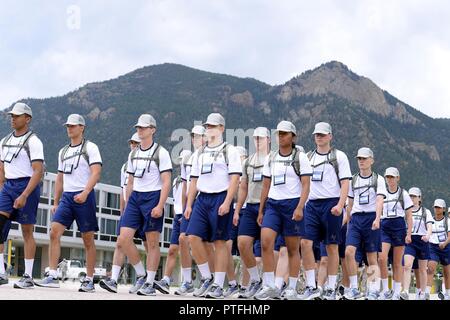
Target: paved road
column 69, row 291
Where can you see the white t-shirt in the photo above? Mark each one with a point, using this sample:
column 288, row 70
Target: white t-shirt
column 392, row 207
column 147, row 176
column 124, row 179
column 211, row 169
column 285, row 183
column 439, row 233
column 20, row 166
column 177, row 192
column 324, row 181
column 186, row 168
column 75, row 167
column 419, row 223
column 365, row 198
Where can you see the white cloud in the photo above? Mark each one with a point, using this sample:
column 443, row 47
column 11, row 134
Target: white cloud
column 401, row 45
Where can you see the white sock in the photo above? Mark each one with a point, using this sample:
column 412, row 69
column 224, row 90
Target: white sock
column 219, row 278
column 90, row 279
column 29, row 267
column 232, row 283
column 448, row 292
column 353, row 281
column 443, row 287
column 204, row 270
column 332, row 282
column 279, row 282
column 115, row 272
column 53, row 274
column 385, row 283
column 428, row 289
column 292, row 282
column 2, row 264
column 269, row 278
column 167, row 279
column 310, row 278
column 254, row 274
column 187, row 274
column 150, row 276
column 139, row 268
column 397, row 287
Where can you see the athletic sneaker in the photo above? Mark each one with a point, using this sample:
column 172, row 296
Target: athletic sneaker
column 233, row 289
column 329, row 294
column 352, row 294
column 404, row 295
column 387, row 295
column 184, row 289
column 3, row 279
column 26, row 282
column 396, row 296
column 147, row 289
column 109, row 285
column 373, row 295
column 341, row 290
column 266, row 293
column 138, row 284
column 311, row 293
column 162, row 286
column 253, row 289
column 446, row 297
column 427, row 296
column 205, row 284
column 290, row 294
column 281, row 291
column 87, row 286
column 48, row 282
column 214, row 292
column 440, row 295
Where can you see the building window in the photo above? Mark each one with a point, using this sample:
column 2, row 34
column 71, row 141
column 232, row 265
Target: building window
column 108, row 226
column 112, row 200
column 41, row 217
column 167, row 234
column 45, row 189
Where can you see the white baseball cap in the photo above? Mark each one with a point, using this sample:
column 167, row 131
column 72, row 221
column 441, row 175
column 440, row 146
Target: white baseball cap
column 135, row 138
column 242, row 151
column 286, row 126
column 215, row 119
column 261, row 132
column 415, row 192
column 440, row 203
column 146, row 121
column 200, row 130
column 364, row 153
column 322, row 128
column 75, row 120
column 184, row 153
column 21, row 108
column 391, row 171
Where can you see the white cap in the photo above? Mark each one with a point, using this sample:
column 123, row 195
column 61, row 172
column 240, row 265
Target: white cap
column 286, row 126
column 440, row 203
column 242, row 151
column 75, row 120
column 135, row 138
column 415, row 192
column 200, row 130
column 365, row 153
column 215, row 119
column 145, row 121
column 323, row 128
column 391, row 171
column 261, row 132
column 184, row 153
column 21, row 108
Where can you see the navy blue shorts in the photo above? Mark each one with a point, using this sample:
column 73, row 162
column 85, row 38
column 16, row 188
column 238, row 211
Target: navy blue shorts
column 393, row 231
column 234, row 229
column 342, row 243
column 257, row 248
column 176, row 226
column 205, row 221
column 278, row 217
column 320, row 223
column 439, row 255
column 316, row 251
column 360, row 232
column 279, row 242
column 361, row 256
column 184, row 224
column 248, row 226
column 84, row 214
column 5, row 232
column 418, row 249
column 137, row 213
column 323, row 250
column 12, row 189
column 415, row 265
column 138, row 234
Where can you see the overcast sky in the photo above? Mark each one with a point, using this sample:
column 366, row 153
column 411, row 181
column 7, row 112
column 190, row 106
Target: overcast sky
column 48, row 48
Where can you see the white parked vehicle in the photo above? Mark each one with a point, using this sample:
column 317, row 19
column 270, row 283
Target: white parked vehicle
column 77, row 270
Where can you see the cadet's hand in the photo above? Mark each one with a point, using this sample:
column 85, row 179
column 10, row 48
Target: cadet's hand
column 298, row 214
column 20, row 202
column 337, row 210
column 80, row 198
column 157, row 212
column 376, row 224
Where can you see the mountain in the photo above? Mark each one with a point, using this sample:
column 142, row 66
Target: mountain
column 360, row 112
